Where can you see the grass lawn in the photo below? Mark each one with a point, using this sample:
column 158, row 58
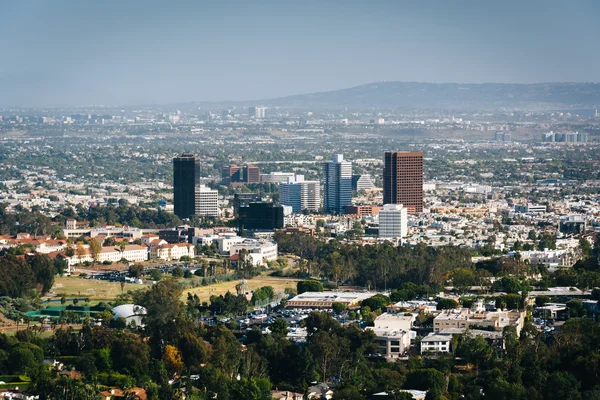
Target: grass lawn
column 92, row 288
column 278, row 284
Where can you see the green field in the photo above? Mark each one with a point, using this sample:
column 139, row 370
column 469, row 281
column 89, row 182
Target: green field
column 278, row 284
column 92, row 288
column 105, row 291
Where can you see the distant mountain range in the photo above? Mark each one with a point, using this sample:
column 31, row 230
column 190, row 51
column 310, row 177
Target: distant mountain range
column 452, row 96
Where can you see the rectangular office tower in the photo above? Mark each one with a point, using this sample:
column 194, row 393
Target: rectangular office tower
column 186, row 176
column 393, row 222
column 337, row 175
column 403, row 180
column 300, row 194
column 207, row 202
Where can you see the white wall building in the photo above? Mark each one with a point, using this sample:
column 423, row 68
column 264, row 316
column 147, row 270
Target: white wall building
column 171, row 251
column 435, row 343
column 552, row 259
column 298, row 220
column 393, row 221
column 207, row 201
column 300, row 194
column 132, row 253
column 392, row 333
column 276, row 177
column 224, row 243
column 364, row 182
column 260, row 251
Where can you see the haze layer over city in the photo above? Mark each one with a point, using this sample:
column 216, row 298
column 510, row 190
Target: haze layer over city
column 299, row 200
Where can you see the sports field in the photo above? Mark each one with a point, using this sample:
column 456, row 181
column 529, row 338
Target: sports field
column 278, row 284
column 92, row 288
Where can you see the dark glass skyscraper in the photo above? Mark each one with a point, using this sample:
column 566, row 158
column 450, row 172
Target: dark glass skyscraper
column 186, row 175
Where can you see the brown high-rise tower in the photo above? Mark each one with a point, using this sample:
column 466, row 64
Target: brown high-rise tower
column 403, row 180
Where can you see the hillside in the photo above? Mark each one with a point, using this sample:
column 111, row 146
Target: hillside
column 411, row 96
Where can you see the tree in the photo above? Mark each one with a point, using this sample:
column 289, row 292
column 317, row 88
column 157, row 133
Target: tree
column 172, row 359
column 164, row 317
column 155, row 275
column 446, row 304
column 426, row 379
column 279, row 327
column 542, row 300
column 475, row 351
column 563, row 386
column 377, row 302
column 348, row 393
column 43, row 269
column 21, row 359
column 178, row 272
column 95, row 249
column 130, row 355
column 338, row 307
column 135, row 271
column 309, row 286
column 194, row 351
column 463, row 279
column 576, row 309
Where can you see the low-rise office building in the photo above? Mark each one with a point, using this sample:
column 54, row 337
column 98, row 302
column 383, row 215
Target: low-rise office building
column 259, row 251
column 435, row 343
column 478, row 317
column 392, row 333
column 324, row 300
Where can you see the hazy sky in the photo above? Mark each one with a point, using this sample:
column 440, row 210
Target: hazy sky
column 140, row 52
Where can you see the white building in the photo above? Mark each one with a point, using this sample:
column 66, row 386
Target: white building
column 298, row 220
column 171, row 251
column 125, row 232
column 552, row 259
column 130, row 312
column 276, row 177
column 132, row 253
column 435, row 343
column 364, row 182
column 337, row 184
column 260, row 251
column 207, row 201
column 530, row 208
column 393, row 221
column 224, row 243
column 300, row 194
column 392, row 333
column 258, row 112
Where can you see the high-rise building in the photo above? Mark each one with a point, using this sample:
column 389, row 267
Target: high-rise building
column 186, row 175
column 260, row 216
column 244, row 200
column 236, row 174
column 207, row 202
column 393, row 221
column 300, row 194
column 337, row 176
column 257, row 112
column 228, row 172
column 403, row 180
column 251, row 174
column 362, row 182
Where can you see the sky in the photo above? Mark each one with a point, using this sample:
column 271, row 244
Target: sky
column 115, row 52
